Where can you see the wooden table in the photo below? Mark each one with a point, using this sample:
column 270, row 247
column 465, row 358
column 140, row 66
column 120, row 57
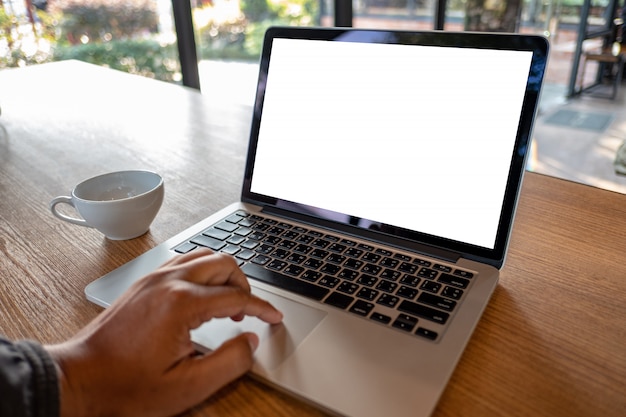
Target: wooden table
column 552, row 341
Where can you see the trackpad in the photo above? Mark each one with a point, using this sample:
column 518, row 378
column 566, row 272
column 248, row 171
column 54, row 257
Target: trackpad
column 277, row 341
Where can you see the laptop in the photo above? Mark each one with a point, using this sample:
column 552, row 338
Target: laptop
column 381, row 181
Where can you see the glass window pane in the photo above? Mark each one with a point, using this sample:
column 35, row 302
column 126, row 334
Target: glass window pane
column 129, row 35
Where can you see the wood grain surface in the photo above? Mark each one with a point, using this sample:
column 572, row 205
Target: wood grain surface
column 552, row 341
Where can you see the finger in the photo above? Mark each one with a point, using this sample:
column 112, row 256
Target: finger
column 202, row 304
column 208, row 268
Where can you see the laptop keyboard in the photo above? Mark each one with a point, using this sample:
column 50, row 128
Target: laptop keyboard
column 409, row 293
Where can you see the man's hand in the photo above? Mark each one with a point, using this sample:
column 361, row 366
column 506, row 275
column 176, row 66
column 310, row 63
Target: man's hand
column 137, row 358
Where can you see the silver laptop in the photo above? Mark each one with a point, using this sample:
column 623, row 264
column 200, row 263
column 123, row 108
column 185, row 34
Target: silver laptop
column 382, row 177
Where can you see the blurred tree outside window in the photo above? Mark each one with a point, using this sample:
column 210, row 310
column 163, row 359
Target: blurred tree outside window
column 137, row 36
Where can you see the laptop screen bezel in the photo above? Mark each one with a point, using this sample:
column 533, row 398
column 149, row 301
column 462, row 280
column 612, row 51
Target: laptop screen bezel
column 538, row 45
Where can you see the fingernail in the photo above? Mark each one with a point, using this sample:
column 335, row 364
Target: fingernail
column 280, row 315
column 253, row 339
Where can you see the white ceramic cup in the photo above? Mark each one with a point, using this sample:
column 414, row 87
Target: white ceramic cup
column 121, row 205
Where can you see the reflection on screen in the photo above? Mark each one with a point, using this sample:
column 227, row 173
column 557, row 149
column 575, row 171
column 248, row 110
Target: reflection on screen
column 417, row 137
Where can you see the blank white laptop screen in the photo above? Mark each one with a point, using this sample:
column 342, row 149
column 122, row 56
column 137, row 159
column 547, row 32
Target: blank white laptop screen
column 418, row 137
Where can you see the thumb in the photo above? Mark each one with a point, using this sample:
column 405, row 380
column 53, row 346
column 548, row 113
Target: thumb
column 231, row 360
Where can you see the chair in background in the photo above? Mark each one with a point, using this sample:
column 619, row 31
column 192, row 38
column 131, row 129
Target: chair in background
column 610, row 59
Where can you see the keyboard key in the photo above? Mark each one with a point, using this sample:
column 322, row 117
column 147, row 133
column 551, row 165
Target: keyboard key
column 208, row 242
column 428, row 273
column 371, row 257
column 313, row 263
column 390, row 274
column 295, row 258
column 272, row 240
column 320, row 243
column 265, row 249
column 389, row 262
column 185, row 247
column 410, row 280
column 428, row 334
column 354, row 253
column 310, row 275
column 443, row 268
column 407, row 268
column 380, row 318
column 387, row 286
column 330, row 269
column 402, row 257
column 453, row 280
column 217, row 234
column 423, row 311
column 436, row 301
column 246, row 255
column 330, row 282
column 246, row 223
column 407, row 292
column 362, row 308
column 365, row 247
column 431, row 286
column 306, row 239
column 277, row 265
column 280, row 253
column 405, row 322
column 452, row 292
column 294, row 270
column 236, row 239
column 319, row 253
column 464, row 274
column 226, row 226
column 249, row 244
column 348, row 274
column 302, row 248
column 243, row 231
column 367, row 280
column 367, row 294
column 348, row 287
column 231, row 249
column 348, row 242
column 371, row 269
column 388, row 300
column 421, row 262
column 339, row 300
column 234, row 218
column 261, row 259
column 337, row 247
column 287, row 244
column 257, row 236
column 275, row 230
column 291, row 235
column 354, row 263
column 260, row 227
column 336, row 258
column 285, row 282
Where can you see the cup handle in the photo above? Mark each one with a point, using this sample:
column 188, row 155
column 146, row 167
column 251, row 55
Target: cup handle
column 65, row 200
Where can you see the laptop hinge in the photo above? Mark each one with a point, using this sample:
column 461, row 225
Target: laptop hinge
column 374, row 236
